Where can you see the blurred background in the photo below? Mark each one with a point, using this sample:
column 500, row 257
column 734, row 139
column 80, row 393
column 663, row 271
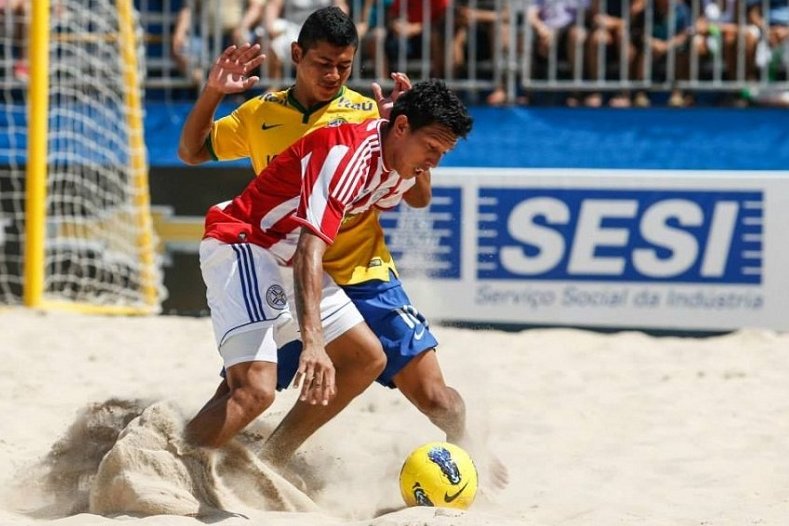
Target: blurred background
column 538, row 52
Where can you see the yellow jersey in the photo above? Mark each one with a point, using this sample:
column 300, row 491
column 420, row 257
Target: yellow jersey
column 264, row 126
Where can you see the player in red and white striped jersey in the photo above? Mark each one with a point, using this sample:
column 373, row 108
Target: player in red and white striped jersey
column 288, row 216
column 342, row 174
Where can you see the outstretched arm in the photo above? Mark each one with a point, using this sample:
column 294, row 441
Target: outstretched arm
column 401, row 84
column 315, row 366
column 232, row 72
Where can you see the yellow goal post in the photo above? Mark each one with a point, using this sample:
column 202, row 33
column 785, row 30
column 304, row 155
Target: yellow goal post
column 75, row 224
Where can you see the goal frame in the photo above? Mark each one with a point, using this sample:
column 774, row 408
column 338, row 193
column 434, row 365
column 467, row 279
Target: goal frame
column 36, row 168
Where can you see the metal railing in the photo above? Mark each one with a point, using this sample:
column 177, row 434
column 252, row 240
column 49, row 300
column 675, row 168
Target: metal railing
column 517, row 47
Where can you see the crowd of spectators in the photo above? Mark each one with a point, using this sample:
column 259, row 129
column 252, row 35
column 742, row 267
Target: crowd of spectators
column 581, row 44
column 589, row 53
column 232, row 21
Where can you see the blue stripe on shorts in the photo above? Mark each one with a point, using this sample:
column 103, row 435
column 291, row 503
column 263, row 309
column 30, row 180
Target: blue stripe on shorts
column 249, row 282
column 404, row 332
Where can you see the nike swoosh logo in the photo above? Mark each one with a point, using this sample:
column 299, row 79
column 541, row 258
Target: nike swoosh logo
column 265, row 126
column 419, row 333
column 450, row 498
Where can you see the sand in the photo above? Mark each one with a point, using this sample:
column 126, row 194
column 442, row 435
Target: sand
column 594, row 429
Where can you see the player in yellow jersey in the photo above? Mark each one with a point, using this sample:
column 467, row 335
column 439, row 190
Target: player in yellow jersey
column 358, row 260
column 264, row 126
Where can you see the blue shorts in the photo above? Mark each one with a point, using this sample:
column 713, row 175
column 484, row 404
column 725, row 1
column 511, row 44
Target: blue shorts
column 403, row 330
column 384, row 305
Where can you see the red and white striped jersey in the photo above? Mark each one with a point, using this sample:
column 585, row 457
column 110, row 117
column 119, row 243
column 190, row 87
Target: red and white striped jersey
column 327, row 175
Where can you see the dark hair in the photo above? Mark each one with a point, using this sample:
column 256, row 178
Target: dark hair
column 431, row 102
column 331, row 25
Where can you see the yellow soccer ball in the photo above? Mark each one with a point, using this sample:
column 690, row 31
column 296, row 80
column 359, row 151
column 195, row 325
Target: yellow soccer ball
column 439, row 474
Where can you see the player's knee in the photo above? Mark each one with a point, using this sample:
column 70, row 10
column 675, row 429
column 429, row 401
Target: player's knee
column 368, row 367
column 366, row 358
column 376, row 362
column 253, row 400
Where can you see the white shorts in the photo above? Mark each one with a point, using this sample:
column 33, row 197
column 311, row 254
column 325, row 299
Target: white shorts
column 249, row 296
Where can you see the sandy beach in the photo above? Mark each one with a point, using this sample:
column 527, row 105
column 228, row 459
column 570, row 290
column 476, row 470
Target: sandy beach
column 595, row 429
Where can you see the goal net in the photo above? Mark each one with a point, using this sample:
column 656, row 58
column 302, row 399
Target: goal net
column 75, row 226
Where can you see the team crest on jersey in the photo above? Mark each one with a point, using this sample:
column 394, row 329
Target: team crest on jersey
column 276, row 298
column 336, row 122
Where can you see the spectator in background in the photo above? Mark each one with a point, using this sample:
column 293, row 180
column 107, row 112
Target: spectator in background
column 198, row 19
column 369, row 16
column 408, row 22
column 718, row 31
column 774, row 31
column 371, row 26
column 14, row 16
column 282, row 22
column 492, row 29
column 608, row 32
column 555, row 25
column 664, row 40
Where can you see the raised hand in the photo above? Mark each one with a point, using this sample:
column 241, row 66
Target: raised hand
column 233, row 70
column 401, row 84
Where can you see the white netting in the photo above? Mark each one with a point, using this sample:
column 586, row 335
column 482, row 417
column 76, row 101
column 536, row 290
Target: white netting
column 96, row 245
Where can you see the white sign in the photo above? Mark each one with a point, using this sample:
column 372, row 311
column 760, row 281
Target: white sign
column 600, row 248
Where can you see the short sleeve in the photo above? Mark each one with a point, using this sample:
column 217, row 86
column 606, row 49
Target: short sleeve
column 228, row 137
column 327, row 185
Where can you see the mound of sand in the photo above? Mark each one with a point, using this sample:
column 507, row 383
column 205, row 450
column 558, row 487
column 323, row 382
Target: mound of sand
column 150, row 470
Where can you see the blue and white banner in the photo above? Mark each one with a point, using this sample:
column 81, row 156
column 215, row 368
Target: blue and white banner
column 668, row 250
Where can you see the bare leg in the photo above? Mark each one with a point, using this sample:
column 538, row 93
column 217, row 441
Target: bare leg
column 248, row 391
column 422, row 383
column 358, row 360
column 221, row 391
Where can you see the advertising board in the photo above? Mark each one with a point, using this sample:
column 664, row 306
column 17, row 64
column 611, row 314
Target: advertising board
column 674, row 250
